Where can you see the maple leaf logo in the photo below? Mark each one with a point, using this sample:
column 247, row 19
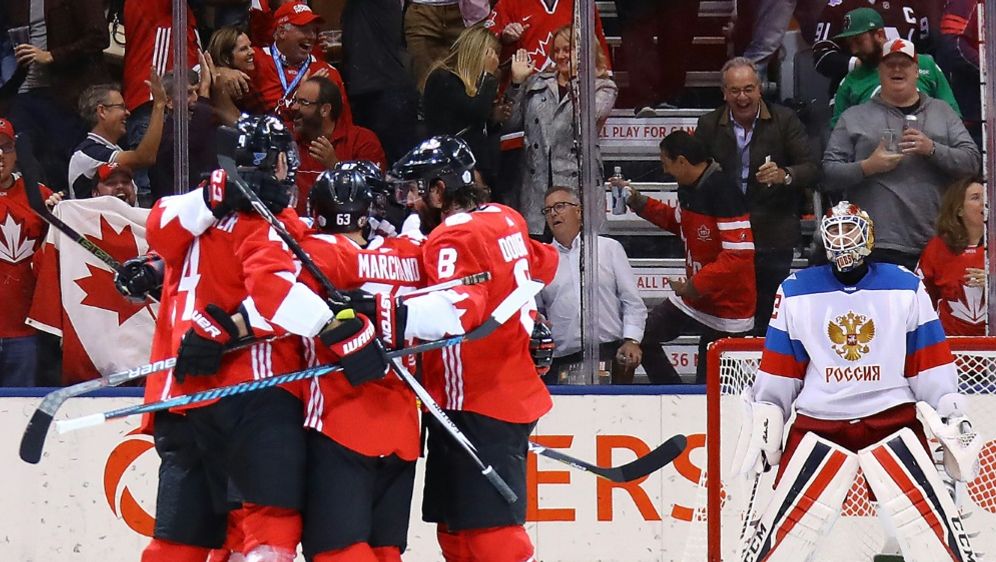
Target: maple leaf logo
column 13, row 246
column 98, row 287
column 972, row 309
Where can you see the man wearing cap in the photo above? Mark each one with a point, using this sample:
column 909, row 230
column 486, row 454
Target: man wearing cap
column 899, row 18
column 894, row 171
column 18, row 341
column 865, row 35
column 282, row 66
column 115, row 180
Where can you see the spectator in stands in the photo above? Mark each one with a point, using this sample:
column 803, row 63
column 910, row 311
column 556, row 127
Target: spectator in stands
column 324, row 137
column 148, row 39
column 901, row 18
column 201, row 152
column 115, row 180
column 622, row 313
column 282, row 66
column 764, row 147
column 865, row 35
column 953, row 263
column 104, row 110
column 234, row 62
column 532, row 24
column 542, row 106
column 899, row 186
column 18, row 342
column 460, row 94
column 769, row 20
column 652, row 32
column 958, row 55
column 261, row 21
column 432, row 26
column 381, row 89
column 62, row 56
column 717, row 297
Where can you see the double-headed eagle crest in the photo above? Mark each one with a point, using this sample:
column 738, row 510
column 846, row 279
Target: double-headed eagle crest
column 850, row 334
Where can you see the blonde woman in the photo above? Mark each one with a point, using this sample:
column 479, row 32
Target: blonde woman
column 544, row 109
column 458, row 97
column 953, row 263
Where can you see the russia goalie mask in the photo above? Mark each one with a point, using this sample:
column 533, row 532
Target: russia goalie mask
column 848, row 235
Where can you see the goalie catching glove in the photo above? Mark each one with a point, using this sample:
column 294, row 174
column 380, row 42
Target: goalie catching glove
column 203, row 345
column 352, row 338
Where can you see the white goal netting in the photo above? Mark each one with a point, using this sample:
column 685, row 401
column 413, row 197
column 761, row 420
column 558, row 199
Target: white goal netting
column 857, row 536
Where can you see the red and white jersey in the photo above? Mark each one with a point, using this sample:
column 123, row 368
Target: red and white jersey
column 493, row 376
column 149, row 34
column 275, row 96
column 21, row 234
column 962, row 309
column 236, row 260
column 713, row 222
column 102, row 332
column 543, row 18
column 846, row 352
column 381, row 417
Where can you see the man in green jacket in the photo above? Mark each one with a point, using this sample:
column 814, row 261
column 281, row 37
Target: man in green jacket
column 864, row 33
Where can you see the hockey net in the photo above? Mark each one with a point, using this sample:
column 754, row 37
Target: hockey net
column 857, row 534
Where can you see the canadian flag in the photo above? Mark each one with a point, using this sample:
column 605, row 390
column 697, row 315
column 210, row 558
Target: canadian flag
column 75, row 298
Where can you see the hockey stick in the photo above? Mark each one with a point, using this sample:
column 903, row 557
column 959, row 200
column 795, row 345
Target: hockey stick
column 647, row 464
column 334, row 298
column 512, row 303
column 33, row 191
column 33, row 440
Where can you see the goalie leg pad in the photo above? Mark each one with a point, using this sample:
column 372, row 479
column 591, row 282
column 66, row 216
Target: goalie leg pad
column 806, row 502
column 927, row 522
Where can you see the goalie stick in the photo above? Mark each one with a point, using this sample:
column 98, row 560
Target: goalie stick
column 33, row 439
column 642, row 466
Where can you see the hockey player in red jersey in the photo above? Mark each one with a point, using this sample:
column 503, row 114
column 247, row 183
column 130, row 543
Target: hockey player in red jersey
column 489, row 388
column 238, row 279
column 363, row 440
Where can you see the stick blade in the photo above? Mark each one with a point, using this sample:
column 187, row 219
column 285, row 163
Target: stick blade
column 654, row 460
column 33, row 439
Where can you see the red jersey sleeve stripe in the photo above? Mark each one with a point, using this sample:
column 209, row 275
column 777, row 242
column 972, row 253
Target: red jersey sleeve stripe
column 952, row 24
column 927, row 358
column 782, row 365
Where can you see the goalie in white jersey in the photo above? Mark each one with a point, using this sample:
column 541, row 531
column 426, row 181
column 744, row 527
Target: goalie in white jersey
column 856, row 348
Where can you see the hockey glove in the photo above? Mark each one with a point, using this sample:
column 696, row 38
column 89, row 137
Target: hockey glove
column 352, row 338
column 223, row 197
column 541, row 348
column 203, row 345
column 141, row 277
column 389, row 314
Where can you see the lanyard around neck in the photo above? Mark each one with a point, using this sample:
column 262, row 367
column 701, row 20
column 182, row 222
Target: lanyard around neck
column 275, row 54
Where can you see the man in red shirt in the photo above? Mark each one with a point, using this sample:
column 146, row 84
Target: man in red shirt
column 287, row 62
column 489, row 388
column 323, row 139
column 18, row 344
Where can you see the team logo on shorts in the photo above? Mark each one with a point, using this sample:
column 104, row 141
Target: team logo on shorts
column 850, row 335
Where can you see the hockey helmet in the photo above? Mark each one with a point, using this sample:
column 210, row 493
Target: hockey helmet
column 848, row 235
column 444, row 158
column 261, row 139
column 339, row 199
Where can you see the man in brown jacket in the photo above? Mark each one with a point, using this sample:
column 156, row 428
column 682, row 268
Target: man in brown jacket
column 766, row 151
column 60, row 51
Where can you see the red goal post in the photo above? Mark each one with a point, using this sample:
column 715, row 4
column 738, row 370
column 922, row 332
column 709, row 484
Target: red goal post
column 732, row 364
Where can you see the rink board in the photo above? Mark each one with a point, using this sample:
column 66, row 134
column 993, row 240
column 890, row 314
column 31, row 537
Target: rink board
column 91, row 496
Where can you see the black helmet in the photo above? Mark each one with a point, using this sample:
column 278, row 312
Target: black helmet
column 339, row 199
column 443, row 158
column 261, row 139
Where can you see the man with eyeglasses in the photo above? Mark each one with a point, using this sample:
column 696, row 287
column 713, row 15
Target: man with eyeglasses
column 325, row 137
column 764, row 148
column 622, row 312
column 103, row 108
